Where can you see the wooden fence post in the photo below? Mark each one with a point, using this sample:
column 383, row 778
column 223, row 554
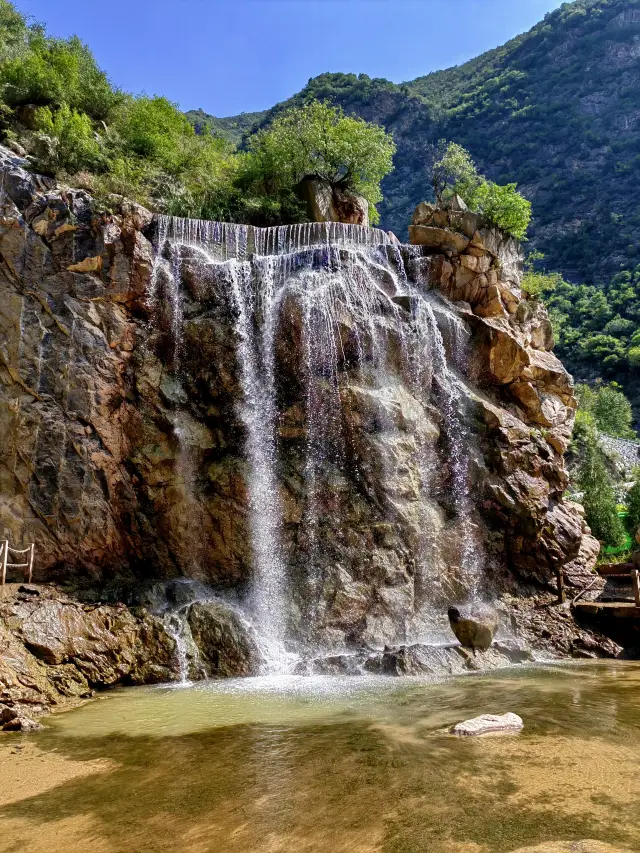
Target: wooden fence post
column 635, row 583
column 31, row 555
column 561, row 594
column 5, row 556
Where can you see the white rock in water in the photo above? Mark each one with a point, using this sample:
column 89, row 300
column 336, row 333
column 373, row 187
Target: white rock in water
column 488, row 723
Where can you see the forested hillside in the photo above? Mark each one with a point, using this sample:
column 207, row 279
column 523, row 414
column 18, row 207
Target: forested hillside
column 558, row 111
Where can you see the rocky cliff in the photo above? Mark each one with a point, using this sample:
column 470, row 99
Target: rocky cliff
column 327, row 428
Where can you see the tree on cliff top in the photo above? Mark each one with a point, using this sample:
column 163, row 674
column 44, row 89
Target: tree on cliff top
column 454, row 172
column 320, row 141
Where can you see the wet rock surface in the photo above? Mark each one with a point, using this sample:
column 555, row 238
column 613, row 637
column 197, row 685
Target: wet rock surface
column 55, row 651
column 123, row 454
column 224, row 642
column 474, row 627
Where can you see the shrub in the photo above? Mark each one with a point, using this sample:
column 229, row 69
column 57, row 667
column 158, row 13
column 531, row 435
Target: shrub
column 453, row 171
column 608, row 407
column 53, row 72
column 67, row 141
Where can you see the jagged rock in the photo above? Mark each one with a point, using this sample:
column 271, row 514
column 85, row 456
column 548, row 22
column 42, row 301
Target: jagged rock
column 489, row 724
column 53, row 649
column 226, row 647
column 437, row 238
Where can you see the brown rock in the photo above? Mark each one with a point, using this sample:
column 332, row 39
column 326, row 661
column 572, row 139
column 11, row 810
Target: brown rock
column 437, row 238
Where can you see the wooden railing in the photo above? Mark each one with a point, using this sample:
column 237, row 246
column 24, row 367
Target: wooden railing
column 5, row 551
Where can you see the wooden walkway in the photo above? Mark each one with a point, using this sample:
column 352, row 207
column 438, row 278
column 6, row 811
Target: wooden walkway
column 621, row 578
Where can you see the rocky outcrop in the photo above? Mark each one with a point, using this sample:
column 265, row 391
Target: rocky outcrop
column 225, row 645
column 332, row 204
column 123, row 451
column 530, row 409
column 55, row 651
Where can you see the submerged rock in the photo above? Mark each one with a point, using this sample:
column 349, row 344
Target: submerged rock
column 489, row 724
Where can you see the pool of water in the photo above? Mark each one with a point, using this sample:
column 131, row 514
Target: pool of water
column 337, row 765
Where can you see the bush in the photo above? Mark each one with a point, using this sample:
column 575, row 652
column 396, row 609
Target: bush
column 153, row 129
column 53, row 72
column 453, row 171
column 67, row 141
column 504, row 206
column 608, row 406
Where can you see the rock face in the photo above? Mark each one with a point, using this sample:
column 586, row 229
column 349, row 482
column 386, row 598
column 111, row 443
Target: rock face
column 126, row 423
column 54, row 650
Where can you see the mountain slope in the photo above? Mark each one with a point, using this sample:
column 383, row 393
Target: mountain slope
column 556, row 109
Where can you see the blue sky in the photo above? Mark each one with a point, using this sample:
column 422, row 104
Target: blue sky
column 231, row 56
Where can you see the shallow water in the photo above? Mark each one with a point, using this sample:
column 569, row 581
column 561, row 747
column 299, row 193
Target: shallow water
column 321, row 765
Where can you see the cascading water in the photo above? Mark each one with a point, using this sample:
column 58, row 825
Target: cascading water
column 355, row 306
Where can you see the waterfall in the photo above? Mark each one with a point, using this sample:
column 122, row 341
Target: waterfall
column 344, row 295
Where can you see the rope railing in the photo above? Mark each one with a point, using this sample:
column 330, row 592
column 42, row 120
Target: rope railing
column 5, row 551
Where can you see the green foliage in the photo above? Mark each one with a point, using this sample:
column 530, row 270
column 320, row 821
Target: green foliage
column 536, row 285
column 609, row 408
column 153, row 129
column 317, row 140
column 633, row 504
column 53, row 72
column 453, row 171
column 598, row 496
column 502, row 205
column 68, row 142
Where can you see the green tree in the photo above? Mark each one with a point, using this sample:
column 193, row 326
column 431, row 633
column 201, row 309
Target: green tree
column 454, row 172
column 608, row 406
column 598, row 496
column 318, row 140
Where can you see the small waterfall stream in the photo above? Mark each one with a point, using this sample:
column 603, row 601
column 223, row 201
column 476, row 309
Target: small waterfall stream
column 358, row 313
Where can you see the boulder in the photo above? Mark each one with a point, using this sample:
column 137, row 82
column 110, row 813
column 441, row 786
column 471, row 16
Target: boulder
column 224, row 641
column 489, row 724
column 474, row 627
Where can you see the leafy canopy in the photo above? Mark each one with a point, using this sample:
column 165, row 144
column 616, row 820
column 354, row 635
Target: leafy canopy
column 318, row 140
column 609, row 408
column 453, row 171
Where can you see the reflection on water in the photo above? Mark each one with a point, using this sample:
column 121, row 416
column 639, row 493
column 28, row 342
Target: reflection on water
column 342, row 766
